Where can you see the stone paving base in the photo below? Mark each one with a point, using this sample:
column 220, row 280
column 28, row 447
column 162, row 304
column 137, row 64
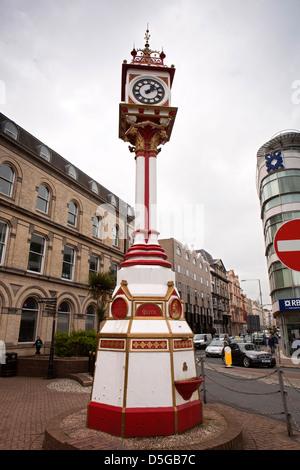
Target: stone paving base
column 219, row 431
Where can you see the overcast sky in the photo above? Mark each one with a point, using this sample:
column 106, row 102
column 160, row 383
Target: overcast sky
column 236, row 64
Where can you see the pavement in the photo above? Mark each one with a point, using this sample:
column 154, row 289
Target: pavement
column 28, row 404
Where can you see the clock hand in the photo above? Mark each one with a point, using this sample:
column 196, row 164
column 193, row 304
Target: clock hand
column 152, row 88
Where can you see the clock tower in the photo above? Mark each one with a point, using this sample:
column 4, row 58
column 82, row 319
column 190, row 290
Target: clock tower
column 145, row 381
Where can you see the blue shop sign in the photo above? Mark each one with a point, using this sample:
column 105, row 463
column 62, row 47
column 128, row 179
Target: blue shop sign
column 274, row 161
column 289, row 304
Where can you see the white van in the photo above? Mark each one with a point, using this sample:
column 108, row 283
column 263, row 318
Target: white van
column 202, row 340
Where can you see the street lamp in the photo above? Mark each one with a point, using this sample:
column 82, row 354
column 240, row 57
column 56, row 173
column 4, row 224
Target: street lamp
column 260, row 294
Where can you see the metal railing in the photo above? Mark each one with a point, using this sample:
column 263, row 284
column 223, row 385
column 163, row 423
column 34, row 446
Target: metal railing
column 278, row 377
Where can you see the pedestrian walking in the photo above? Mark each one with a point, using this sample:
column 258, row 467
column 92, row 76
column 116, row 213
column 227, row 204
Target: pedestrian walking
column 271, row 344
column 38, row 344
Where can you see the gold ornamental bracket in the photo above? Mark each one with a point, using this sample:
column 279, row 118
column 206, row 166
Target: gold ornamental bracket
column 140, row 115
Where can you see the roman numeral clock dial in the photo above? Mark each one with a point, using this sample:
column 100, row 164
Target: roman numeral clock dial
column 148, row 91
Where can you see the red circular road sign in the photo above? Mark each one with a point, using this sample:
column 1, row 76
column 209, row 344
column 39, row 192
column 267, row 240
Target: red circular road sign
column 287, row 244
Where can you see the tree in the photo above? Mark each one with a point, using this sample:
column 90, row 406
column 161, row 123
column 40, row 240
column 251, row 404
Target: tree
column 101, row 286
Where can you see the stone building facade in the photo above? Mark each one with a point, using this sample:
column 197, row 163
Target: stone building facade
column 57, row 225
column 192, row 274
column 238, row 313
column 220, row 294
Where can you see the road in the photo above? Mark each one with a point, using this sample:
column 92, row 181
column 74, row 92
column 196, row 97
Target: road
column 255, row 390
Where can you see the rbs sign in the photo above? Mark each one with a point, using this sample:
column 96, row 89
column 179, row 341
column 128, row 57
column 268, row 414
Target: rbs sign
column 289, row 304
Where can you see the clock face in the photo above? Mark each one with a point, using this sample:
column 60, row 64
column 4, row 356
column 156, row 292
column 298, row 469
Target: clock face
column 148, row 91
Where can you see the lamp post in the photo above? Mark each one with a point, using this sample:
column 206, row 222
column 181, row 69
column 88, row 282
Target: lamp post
column 260, row 295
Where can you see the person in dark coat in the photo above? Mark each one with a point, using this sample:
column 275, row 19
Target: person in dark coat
column 38, row 344
column 271, row 344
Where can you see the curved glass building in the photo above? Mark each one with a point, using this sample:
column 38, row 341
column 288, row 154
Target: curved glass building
column 278, row 186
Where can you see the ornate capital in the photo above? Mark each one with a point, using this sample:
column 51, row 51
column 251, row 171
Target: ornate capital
column 159, row 138
column 135, row 138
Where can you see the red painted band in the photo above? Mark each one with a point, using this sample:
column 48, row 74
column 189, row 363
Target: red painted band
column 138, row 422
column 137, row 262
column 145, row 247
column 157, row 254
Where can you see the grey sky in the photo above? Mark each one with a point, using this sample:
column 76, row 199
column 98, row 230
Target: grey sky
column 236, row 62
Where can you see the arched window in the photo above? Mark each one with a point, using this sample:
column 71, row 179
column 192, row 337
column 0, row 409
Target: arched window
column 72, row 214
column 90, row 318
column 63, row 317
column 11, row 129
column 42, row 203
column 115, row 239
column 94, row 187
column 68, row 263
column 96, row 226
column 178, row 251
column 3, row 240
column 94, row 264
column 36, row 253
column 45, row 153
column 71, row 171
column 7, row 177
column 113, row 199
column 29, row 319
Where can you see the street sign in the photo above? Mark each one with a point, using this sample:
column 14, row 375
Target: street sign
column 289, row 304
column 287, row 244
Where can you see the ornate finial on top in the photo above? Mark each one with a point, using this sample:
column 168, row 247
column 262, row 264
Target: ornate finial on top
column 147, row 36
column 146, row 56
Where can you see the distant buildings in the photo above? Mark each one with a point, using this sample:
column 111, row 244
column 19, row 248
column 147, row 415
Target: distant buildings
column 193, row 281
column 214, row 301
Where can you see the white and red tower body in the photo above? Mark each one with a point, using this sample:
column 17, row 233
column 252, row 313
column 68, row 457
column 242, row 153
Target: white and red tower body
column 145, row 380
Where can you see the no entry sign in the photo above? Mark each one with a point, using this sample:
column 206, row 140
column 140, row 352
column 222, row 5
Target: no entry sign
column 287, row 244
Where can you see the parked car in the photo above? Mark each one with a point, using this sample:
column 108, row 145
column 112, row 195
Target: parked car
column 237, row 339
column 250, row 355
column 215, row 348
column 202, row 340
column 258, row 338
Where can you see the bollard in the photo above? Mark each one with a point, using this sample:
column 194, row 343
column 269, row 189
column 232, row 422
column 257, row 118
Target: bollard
column 228, row 357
